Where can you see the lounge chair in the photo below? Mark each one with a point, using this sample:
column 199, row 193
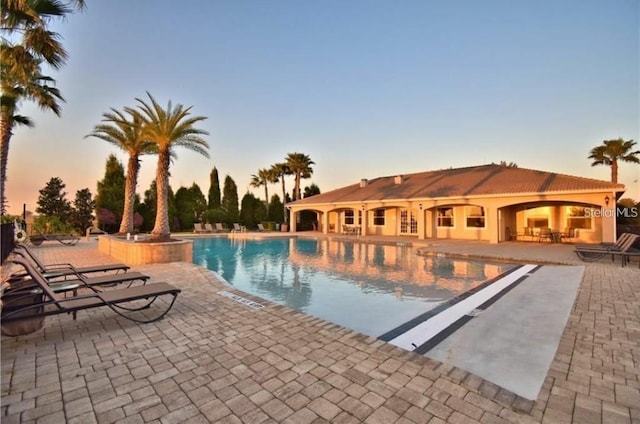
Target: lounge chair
column 66, row 239
column 593, row 254
column 261, row 228
column 237, row 228
column 62, row 269
column 74, row 276
column 219, row 227
column 198, row 228
column 623, row 238
column 208, row 228
column 51, row 303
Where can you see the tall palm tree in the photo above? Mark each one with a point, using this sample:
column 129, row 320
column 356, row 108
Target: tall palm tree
column 281, row 170
column 168, row 128
column 612, row 151
column 25, row 43
column 300, row 165
column 265, row 177
column 37, row 89
column 126, row 133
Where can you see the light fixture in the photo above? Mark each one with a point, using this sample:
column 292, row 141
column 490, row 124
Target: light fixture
column 606, row 200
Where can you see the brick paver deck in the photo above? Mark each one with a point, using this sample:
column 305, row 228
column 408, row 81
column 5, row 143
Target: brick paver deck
column 215, row 360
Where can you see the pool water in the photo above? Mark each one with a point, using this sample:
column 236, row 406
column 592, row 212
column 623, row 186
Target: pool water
column 367, row 287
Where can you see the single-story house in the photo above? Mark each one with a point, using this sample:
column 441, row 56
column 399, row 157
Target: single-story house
column 489, row 202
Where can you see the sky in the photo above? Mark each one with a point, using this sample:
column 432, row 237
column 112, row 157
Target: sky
column 365, row 88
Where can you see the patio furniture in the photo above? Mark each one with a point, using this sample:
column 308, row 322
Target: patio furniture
column 623, row 249
column 62, row 269
column 545, row 234
column 237, row 228
column 208, row 228
column 568, row 233
column 198, row 228
column 261, row 228
column 42, row 300
column 38, row 238
column 219, row 227
column 73, row 275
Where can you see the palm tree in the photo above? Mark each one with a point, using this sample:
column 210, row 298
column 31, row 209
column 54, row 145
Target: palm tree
column 265, row 177
column 37, row 89
column 30, row 20
column 281, row 170
column 127, row 134
column 612, row 151
column 22, row 79
column 300, row 166
column 168, row 128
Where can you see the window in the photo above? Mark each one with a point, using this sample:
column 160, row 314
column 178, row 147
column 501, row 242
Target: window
column 378, row 217
column 475, row 216
column 348, row 217
column 538, row 222
column 577, row 218
column 445, row 217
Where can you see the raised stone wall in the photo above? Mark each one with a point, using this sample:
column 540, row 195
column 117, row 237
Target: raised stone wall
column 142, row 252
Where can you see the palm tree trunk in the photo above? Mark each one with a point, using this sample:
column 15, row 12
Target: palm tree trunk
column 161, row 230
column 284, row 200
column 5, row 137
column 614, row 171
column 133, row 166
column 266, row 198
column 297, row 196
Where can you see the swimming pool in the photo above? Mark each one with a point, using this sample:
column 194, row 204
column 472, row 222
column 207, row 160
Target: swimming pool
column 367, row 287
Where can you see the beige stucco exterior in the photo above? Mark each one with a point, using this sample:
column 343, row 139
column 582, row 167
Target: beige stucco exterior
column 504, row 215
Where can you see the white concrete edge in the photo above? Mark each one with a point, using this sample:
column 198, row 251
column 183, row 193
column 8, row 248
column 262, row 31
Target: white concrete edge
column 425, row 331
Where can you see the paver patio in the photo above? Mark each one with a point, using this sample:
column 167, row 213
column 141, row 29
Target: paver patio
column 215, row 360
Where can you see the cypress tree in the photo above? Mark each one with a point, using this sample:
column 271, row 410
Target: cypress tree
column 214, row 190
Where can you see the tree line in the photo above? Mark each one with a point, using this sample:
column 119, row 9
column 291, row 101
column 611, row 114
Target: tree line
column 185, row 206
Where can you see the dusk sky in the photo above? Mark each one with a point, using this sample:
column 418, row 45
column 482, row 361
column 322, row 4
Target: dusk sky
column 365, row 88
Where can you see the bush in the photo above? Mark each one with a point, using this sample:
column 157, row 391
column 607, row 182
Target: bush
column 52, row 225
column 215, row 215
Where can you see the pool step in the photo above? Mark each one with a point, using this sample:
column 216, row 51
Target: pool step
column 424, row 336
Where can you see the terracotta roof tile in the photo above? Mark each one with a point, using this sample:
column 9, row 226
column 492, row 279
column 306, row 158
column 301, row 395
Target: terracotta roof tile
column 471, row 181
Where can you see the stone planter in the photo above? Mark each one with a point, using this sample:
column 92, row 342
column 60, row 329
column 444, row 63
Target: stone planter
column 142, row 252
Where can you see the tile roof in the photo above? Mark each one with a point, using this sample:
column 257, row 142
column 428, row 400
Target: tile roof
column 471, row 181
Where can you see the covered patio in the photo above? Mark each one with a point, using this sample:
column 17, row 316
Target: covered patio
column 492, row 203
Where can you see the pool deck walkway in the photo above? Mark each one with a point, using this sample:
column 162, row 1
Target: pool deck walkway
column 213, row 359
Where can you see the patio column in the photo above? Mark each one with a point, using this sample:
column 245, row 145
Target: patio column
column 365, row 221
column 422, row 229
column 325, row 223
column 492, row 225
column 609, row 223
column 293, row 221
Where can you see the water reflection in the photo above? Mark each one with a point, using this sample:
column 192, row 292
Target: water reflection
column 288, row 271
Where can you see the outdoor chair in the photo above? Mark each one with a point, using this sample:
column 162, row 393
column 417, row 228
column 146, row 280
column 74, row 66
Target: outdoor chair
column 198, row 228
column 568, row 233
column 62, row 269
column 617, row 245
column 208, row 228
column 545, row 234
column 66, row 239
column 623, row 249
column 74, row 277
column 261, row 228
column 44, row 300
column 219, row 227
column 237, row 228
